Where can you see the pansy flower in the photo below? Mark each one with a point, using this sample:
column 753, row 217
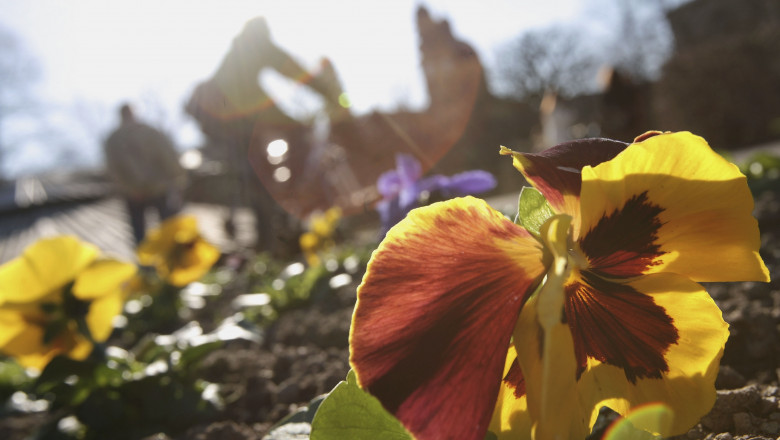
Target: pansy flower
column 449, row 334
column 59, row 297
column 402, row 188
column 177, row 251
column 319, row 237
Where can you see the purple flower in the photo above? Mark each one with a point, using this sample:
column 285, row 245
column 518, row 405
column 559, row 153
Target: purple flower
column 403, row 187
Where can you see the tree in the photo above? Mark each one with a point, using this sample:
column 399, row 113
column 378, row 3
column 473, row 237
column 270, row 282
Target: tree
column 643, row 40
column 554, row 59
column 18, row 72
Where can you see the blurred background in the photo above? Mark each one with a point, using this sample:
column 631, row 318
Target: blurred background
column 282, row 109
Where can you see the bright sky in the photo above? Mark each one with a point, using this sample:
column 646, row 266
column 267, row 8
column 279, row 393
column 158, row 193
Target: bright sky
column 95, row 54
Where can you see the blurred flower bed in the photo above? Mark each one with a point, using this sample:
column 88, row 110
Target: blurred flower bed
column 180, row 324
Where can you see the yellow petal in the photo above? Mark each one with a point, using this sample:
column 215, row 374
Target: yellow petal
column 102, row 277
column 527, row 336
column 511, row 420
column 44, row 266
column 101, row 314
column 702, row 225
column 12, row 323
column 196, row 261
column 30, row 351
column 160, row 241
column 550, row 403
column 687, row 388
column 308, row 241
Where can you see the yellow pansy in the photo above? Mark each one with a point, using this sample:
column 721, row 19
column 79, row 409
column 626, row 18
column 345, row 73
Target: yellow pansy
column 319, row 238
column 59, row 297
column 177, row 251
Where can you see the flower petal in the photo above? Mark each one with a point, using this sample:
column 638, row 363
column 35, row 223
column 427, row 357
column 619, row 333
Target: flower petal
column 196, row 259
column 435, row 312
column 160, row 241
column 102, row 277
column 624, row 243
column 30, row 351
column 389, row 184
column 12, row 323
column 511, row 420
column 101, row 314
column 687, row 386
column 615, row 324
column 390, row 213
column 44, row 266
column 677, row 206
column 177, row 250
column 469, row 182
column 555, row 172
column 528, row 336
column 408, row 167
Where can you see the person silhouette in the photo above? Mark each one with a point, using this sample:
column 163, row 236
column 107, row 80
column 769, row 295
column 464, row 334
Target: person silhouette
column 144, row 165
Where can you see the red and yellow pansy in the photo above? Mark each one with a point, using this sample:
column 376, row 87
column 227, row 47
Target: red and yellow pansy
column 454, row 335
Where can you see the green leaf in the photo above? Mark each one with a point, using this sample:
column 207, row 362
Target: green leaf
column 194, row 354
column 350, row 412
column 490, row 436
column 532, row 210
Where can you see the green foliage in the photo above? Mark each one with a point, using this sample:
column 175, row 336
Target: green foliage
column 350, row 412
column 12, row 378
column 296, row 285
column 762, row 171
column 532, row 210
column 115, row 393
column 122, row 394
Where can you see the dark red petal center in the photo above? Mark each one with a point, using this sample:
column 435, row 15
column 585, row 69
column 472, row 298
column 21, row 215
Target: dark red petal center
column 514, row 379
column 618, row 325
column 624, row 243
column 557, row 171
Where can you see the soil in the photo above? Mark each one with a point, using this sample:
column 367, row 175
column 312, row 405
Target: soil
column 305, row 354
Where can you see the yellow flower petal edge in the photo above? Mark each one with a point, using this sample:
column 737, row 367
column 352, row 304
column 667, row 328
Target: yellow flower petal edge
column 44, row 266
column 705, row 228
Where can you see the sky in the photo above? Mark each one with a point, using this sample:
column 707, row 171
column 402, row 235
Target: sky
column 95, row 54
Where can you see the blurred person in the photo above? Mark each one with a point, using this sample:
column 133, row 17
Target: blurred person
column 144, row 165
column 234, row 109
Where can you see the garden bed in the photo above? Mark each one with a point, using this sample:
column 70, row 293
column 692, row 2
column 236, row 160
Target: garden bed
column 303, row 353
